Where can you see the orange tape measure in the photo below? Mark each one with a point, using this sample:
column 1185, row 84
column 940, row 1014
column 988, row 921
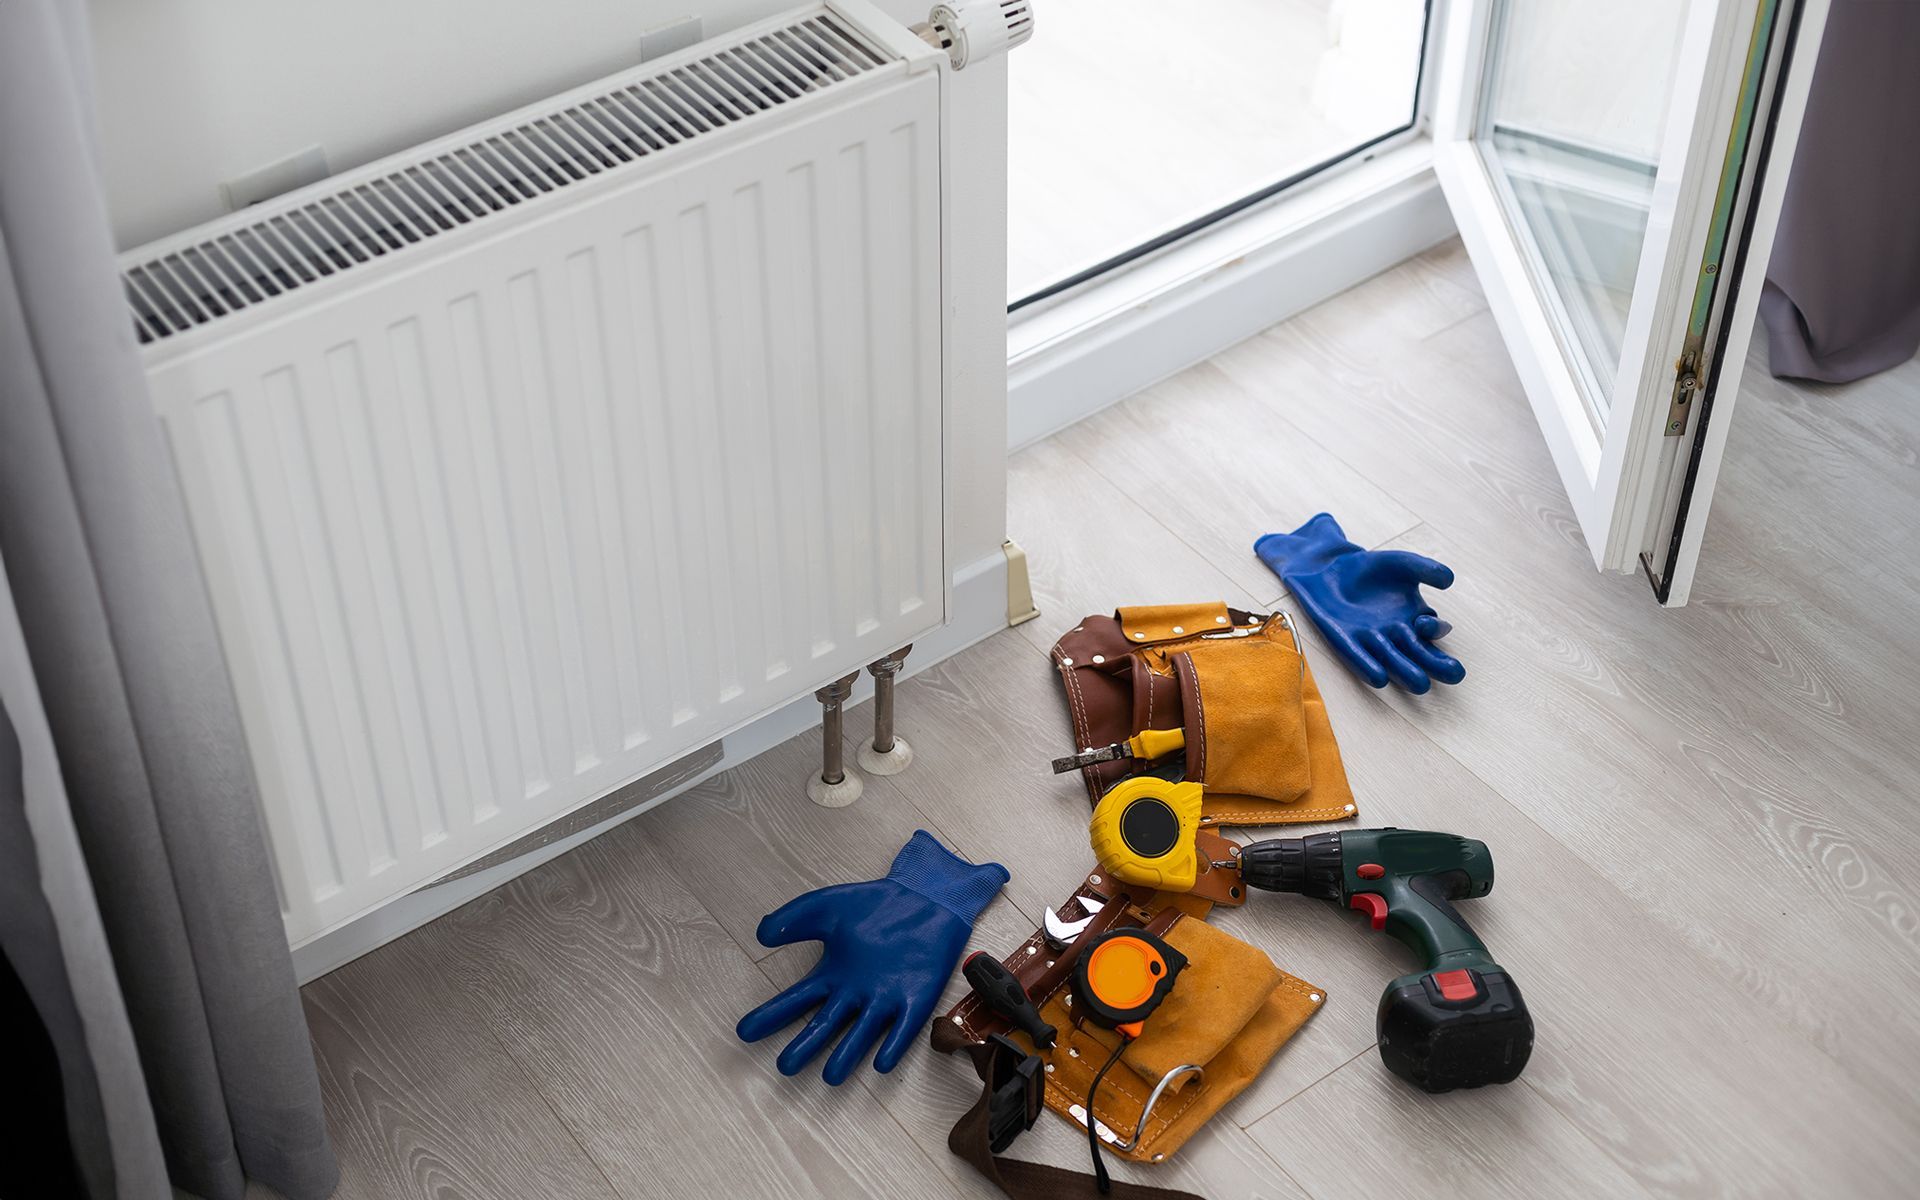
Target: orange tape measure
column 1122, row 976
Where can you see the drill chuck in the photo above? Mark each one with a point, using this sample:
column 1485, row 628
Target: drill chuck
column 1308, row 865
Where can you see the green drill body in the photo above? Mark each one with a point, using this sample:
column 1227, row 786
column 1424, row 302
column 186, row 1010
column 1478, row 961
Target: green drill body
column 1459, row 1021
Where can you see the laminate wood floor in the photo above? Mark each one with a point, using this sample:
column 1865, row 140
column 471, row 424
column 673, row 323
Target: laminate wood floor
column 1704, row 823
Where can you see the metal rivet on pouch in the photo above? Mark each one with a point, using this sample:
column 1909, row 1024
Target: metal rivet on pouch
column 1314, row 996
column 1099, row 658
column 1349, row 808
column 958, row 1021
column 1179, row 629
column 1072, row 1053
column 1094, row 880
column 1159, row 1158
column 1049, row 1068
column 1033, row 949
column 1219, row 620
column 1066, row 662
column 1049, row 964
column 1139, row 637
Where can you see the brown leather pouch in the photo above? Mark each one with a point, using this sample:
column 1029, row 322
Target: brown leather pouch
column 1228, row 1014
column 1257, row 731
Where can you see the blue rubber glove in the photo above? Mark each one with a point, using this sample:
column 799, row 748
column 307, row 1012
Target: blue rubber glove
column 891, row 946
column 1366, row 602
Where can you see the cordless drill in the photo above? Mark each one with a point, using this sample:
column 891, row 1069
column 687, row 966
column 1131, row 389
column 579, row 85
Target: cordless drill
column 1457, row 1022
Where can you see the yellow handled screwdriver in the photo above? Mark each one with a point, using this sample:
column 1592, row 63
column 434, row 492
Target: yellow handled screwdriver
column 1147, row 744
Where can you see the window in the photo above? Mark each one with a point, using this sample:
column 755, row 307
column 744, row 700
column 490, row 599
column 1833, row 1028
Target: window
column 1135, row 122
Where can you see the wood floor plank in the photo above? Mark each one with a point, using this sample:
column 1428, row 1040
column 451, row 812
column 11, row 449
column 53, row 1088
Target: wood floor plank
column 1441, row 440
column 1633, row 1020
column 1645, row 768
column 1211, row 466
column 1404, row 305
column 1468, row 460
column 1363, row 1134
column 618, row 994
column 421, row 1101
column 749, row 840
column 1090, row 546
column 1874, row 421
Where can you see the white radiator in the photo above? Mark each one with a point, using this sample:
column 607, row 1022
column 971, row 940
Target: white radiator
column 528, row 460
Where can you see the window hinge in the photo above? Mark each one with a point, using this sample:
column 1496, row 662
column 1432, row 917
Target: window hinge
column 1686, row 386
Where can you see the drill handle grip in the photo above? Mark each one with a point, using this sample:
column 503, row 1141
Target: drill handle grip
column 1420, row 914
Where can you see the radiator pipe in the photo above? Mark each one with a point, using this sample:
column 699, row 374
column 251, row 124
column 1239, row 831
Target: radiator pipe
column 835, row 786
column 887, row 754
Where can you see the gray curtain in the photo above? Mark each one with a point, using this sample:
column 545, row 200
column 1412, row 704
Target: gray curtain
column 1843, row 287
column 152, row 872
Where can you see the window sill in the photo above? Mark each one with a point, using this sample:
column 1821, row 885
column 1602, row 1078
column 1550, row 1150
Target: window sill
column 1074, row 354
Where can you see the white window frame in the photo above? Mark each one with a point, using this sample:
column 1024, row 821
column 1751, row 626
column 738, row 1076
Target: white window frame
column 1611, row 466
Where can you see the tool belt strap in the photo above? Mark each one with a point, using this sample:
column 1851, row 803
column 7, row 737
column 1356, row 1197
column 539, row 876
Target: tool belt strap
column 972, row 1139
column 1011, row 1096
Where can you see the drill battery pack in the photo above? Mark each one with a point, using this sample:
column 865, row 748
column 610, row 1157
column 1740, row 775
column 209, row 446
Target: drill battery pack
column 1437, row 1036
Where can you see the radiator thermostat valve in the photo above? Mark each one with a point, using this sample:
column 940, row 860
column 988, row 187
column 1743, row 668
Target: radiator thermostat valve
column 975, row 30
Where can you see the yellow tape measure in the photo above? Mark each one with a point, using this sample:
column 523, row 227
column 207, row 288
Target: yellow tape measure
column 1143, row 829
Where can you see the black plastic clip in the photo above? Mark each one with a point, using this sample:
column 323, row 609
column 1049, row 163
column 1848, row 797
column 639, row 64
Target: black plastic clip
column 1018, row 1093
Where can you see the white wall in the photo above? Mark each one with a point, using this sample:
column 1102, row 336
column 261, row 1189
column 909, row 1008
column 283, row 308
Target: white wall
column 194, row 92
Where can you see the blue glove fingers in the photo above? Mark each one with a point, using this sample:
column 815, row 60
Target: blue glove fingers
column 783, row 1010
column 853, row 1048
column 1403, row 669
column 906, row 1029
column 1430, row 627
column 1429, row 571
column 1443, row 667
column 1347, row 646
column 1274, row 549
column 833, row 1015
column 808, row 917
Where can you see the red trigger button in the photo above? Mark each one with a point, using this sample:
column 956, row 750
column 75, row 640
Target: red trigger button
column 1373, row 904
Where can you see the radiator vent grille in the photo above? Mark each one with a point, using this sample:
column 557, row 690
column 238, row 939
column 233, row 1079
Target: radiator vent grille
column 187, row 287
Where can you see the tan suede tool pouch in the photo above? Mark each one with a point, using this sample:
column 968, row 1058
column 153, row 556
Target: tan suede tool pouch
column 1256, row 728
column 1246, row 728
column 1228, row 1013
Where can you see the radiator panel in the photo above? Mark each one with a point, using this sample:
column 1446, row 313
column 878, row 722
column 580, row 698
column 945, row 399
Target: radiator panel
column 523, row 514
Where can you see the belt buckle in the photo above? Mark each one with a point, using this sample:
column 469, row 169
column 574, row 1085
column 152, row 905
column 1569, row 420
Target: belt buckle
column 1018, row 1086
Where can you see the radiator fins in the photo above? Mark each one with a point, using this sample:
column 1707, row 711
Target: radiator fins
column 251, row 261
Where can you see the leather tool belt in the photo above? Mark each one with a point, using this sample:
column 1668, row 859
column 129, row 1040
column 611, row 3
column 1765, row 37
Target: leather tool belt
column 1257, row 732
column 1216, row 1031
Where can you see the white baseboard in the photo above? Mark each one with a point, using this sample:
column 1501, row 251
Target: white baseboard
column 979, row 611
column 1088, row 350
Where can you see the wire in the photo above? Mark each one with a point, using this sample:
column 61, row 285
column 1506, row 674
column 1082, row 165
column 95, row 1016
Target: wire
column 1093, row 1128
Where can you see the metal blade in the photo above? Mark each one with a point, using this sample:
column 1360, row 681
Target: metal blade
column 1065, row 931
column 1087, row 758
